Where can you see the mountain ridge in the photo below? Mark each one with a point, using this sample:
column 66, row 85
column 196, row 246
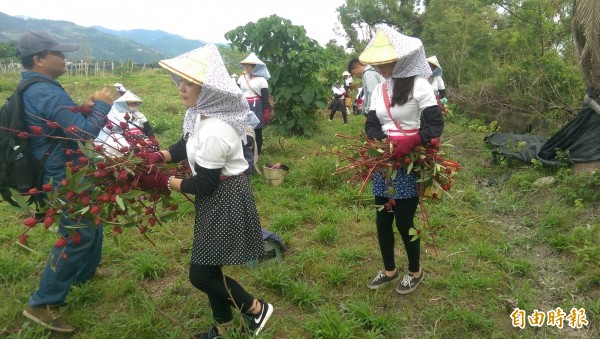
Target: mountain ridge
column 100, row 43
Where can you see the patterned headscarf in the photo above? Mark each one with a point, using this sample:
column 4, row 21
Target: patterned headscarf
column 220, row 97
column 260, row 69
column 410, row 51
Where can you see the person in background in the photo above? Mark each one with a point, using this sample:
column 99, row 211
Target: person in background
column 43, row 56
column 119, row 88
column 370, row 78
column 337, row 103
column 136, row 133
column 227, row 227
column 404, row 110
column 255, row 87
column 347, row 80
column 436, row 80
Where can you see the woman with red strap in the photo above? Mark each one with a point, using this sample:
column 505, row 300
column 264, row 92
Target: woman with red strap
column 404, row 110
column 253, row 83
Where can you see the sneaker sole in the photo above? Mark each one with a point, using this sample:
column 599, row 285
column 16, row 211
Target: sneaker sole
column 264, row 322
column 48, row 326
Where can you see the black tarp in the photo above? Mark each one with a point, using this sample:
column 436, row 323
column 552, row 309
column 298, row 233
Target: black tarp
column 580, row 137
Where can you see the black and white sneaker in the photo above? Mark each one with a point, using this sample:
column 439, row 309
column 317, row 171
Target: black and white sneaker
column 381, row 280
column 409, row 283
column 257, row 323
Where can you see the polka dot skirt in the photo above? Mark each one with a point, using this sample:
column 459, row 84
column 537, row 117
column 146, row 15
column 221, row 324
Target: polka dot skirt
column 405, row 185
column 227, row 228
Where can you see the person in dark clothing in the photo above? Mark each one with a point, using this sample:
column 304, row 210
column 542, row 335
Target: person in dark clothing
column 337, row 102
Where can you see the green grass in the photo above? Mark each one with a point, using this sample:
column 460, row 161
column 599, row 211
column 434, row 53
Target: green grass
column 500, row 242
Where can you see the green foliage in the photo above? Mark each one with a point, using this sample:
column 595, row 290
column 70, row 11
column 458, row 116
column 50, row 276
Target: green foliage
column 147, row 265
column 294, row 61
column 361, row 16
column 584, row 187
column 8, row 50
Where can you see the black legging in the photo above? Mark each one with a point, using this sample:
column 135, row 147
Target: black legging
column 209, row 279
column 259, row 139
column 404, row 211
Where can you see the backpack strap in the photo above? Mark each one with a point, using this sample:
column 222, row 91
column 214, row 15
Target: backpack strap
column 21, row 88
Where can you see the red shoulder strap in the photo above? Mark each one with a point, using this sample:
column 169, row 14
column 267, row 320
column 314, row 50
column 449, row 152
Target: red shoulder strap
column 386, row 101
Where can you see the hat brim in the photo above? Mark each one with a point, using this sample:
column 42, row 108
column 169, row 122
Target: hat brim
column 62, row 47
column 179, row 73
column 379, row 52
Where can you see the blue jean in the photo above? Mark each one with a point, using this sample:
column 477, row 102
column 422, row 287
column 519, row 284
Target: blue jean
column 79, row 266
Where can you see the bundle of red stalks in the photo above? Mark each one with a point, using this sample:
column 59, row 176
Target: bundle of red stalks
column 99, row 188
column 366, row 156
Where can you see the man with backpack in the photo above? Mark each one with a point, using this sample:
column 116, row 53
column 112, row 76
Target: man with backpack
column 46, row 105
column 370, row 78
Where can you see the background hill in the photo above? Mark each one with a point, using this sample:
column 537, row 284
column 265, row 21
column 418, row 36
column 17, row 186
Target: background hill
column 168, row 43
column 98, row 43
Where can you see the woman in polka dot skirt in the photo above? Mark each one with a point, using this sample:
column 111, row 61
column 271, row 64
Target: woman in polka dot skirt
column 227, row 228
column 405, row 111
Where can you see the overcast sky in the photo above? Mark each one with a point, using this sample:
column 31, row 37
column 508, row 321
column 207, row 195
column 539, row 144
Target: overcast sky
column 192, row 19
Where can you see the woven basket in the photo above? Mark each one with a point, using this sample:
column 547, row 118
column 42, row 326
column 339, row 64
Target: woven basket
column 273, row 176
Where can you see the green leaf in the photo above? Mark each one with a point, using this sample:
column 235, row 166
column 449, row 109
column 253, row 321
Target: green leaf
column 374, row 152
column 19, row 199
column 83, row 210
column 119, row 201
column 83, row 187
column 412, row 231
column 131, row 194
column 410, row 167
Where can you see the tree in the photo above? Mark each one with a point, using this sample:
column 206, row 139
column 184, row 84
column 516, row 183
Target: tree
column 294, row 61
column 458, row 32
column 586, row 30
column 8, row 50
column 361, row 16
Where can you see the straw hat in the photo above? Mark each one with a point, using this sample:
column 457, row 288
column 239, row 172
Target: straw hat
column 433, row 60
column 252, row 59
column 129, row 96
column 191, row 66
column 381, row 51
column 390, row 46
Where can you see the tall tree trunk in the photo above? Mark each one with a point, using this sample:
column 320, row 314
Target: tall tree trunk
column 586, row 33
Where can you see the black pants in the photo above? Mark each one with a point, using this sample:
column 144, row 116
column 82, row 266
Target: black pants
column 259, row 139
column 404, row 212
column 209, row 279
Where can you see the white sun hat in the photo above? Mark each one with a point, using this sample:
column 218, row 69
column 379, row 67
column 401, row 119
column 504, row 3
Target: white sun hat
column 252, row 59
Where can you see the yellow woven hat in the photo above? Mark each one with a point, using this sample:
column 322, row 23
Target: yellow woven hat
column 433, row 60
column 191, row 66
column 381, row 51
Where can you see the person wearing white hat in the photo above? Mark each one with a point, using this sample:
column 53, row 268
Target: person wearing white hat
column 120, row 88
column 255, row 87
column 403, row 110
column 436, row 80
column 128, row 127
column 337, row 102
column 227, row 227
column 347, row 80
